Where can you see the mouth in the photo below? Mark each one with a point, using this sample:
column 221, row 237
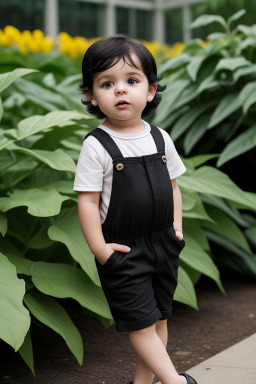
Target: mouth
column 122, row 104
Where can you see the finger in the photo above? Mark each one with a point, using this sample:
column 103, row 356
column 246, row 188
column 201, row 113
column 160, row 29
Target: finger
column 179, row 235
column 121, row 248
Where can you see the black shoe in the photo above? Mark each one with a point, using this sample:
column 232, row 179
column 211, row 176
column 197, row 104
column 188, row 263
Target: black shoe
column 190, row 379
column 130, row 382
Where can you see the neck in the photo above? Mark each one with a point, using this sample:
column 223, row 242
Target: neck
column 125, row 126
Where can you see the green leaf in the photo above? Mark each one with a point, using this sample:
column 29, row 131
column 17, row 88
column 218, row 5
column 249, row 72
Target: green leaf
column 26, row 352
column 14, row 319
column 3, row 224
column 231, row 64
column 52, row 314
column 193, row 207
column 231, row 212
column 62, row 281
column 201, row 159
column 174, row 63
column 7, row 78
column 214, row 182
column 67, row 230
column 36, row 123
column 228, row 105
column 235, row 258
column 196, row 133
column 40, row 95
column 195, row 257
column 203, row 20
column 216, row 36
column 185, row 292
column 244, row 71
column 42, row 203
column 172, row 93
column 241, row 144
column 227, row 228
column 21, row 264
column 55, row 159
column 247, row 91
column 236, row 16
column 1, row 109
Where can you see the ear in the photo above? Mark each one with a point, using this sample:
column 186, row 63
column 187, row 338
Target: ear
column 152, row 91
column 90, row 97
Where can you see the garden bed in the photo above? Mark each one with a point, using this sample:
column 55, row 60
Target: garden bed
column 193, row 337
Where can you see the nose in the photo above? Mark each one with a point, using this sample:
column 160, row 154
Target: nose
column 121, row 89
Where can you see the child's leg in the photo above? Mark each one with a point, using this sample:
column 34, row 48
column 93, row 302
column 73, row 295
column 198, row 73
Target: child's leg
column 152, row 352
column 143, row 374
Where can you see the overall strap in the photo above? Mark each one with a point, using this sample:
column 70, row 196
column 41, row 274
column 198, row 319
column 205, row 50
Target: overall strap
column 107, row 142
column 158, row 138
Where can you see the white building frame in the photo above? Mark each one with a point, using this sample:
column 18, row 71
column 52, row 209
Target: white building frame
column 51, row 24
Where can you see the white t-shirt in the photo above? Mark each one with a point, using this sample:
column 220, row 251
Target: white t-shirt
column 95, row 168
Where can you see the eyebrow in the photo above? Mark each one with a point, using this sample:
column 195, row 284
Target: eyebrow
column 109, row 76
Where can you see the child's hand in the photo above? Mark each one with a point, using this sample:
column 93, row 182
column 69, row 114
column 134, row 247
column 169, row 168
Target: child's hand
column 109, row 249
column 179, row 235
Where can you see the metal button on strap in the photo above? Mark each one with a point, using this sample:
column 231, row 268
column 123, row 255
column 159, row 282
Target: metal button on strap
column 119, row 166
column 164, row 159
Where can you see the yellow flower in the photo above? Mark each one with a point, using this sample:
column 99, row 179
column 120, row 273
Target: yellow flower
column 47, row 45
column 38, row 35
column 4, row 39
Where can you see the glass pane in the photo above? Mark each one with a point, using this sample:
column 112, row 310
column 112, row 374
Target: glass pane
column 79, row 18
column 173, row 26
column 122, row 20
column 25, row 14
column 144, row 25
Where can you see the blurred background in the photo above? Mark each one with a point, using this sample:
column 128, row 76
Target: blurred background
column 206, row 53
column 166, row 21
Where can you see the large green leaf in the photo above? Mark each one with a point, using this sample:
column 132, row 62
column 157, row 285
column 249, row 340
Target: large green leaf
column 188, row 118
column 67, row 230
column 7, row 78
column 26, row 352
column 195, row 257
column 231, row 64
column 42, row 203
column 227, row 228
column 3, row 224
column 196, row 133
column 236, row 16
column 192, row 205
column 214, row 182
column 241, row 144
column 244, row 71
column 185, row 292
column 21, row 264
column 203, row 20
column 235, row 258
column 36, row 123
column 62, row 281
column 52, row 314
column 55, row 159
column 228, row 105
column 37, row 94
column 172, row 93
column 1, row 109
column 14, row 319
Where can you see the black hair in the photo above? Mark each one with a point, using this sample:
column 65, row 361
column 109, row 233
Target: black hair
column 105, row 53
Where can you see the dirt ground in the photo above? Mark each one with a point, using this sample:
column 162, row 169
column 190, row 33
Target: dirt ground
column 222, row 320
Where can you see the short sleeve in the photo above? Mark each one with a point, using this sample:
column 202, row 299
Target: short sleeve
column 174, row 163
column 89, row 171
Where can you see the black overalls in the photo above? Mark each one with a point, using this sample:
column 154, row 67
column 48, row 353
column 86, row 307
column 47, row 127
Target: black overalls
column 139, row 285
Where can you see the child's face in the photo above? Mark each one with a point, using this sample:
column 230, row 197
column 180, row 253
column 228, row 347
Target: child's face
column 122, row 91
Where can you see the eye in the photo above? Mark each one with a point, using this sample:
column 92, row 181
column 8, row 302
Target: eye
column 132, row 81
column 107, row 84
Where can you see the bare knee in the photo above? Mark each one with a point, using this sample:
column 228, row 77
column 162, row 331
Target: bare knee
column 143, row 332
column 161, row 324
